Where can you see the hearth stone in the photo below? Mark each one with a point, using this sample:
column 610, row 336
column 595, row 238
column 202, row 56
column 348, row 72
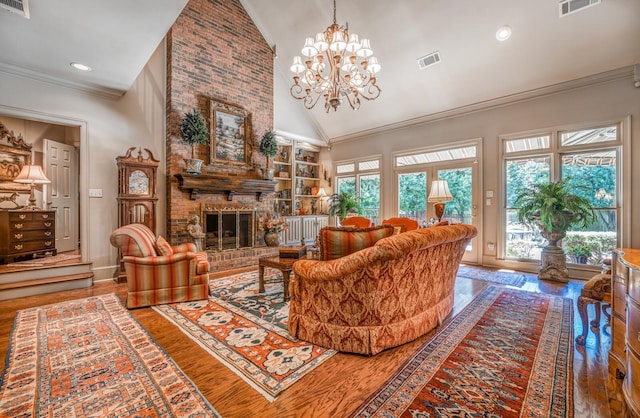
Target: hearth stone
column 226, row 260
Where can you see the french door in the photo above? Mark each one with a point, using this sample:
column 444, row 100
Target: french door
column 413, row 188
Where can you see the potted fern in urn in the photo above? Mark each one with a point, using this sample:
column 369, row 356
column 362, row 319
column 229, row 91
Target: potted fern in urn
column 269, row 148
column 194, row 132
column 553, row 209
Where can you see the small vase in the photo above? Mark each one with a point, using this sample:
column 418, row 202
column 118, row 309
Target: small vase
column 272, row 239
column 193, row 165
column 269, row 173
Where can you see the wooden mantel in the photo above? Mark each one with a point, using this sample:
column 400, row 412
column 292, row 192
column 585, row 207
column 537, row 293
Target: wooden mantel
column 227, row 185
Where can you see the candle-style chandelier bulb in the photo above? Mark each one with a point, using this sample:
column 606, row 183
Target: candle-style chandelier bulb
column 336, row 66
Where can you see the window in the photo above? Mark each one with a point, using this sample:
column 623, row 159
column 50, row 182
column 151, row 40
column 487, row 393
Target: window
column 362, row 178
column 428, row 157
column 412, row 196
column 588, row 160
column 416, row 170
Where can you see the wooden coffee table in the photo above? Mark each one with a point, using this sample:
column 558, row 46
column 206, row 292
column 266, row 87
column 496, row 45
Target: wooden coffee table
column 285, row 265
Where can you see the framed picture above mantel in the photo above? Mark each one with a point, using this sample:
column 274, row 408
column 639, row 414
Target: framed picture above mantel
column 230, row 134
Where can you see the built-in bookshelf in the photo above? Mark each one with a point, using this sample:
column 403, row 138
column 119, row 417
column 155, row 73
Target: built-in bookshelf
column 297, row 174
column 284, row 177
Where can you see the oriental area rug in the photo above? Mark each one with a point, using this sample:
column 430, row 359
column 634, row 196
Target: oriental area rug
column 506, row 278
column 507, row 354
column 247, row 331
column 88, row 358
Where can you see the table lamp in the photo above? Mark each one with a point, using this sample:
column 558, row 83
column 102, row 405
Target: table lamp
column 321, row 194
column 32, row 175
column 439, row 193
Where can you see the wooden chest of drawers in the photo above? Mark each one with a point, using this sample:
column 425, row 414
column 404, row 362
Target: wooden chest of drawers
column 631, row 385
column 620, row 276
column 624, row 356
column 27, row 233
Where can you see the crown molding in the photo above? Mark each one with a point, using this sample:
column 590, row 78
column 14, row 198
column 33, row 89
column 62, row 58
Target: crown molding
column 301, row 138
column 45, row 78
column 578, row 83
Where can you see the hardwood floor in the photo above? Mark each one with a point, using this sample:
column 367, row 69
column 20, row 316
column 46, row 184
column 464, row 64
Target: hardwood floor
column 338, row 385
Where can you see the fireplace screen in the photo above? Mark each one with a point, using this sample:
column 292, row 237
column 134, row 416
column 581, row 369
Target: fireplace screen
column 229, row 229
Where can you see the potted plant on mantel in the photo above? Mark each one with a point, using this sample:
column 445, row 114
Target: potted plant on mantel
column 194, row 132
column 553, row 209
column 269, row 148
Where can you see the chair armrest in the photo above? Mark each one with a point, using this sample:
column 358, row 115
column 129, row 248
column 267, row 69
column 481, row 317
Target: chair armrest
column 187, row 247
column 160, row 259
column 156, row 272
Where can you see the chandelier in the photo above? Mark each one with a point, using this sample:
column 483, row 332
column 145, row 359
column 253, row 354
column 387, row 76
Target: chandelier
column 331, row 69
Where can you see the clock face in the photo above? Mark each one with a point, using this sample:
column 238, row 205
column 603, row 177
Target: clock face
column 138, row 183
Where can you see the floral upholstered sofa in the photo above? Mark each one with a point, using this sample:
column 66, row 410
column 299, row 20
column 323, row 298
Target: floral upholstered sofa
column 378, row 297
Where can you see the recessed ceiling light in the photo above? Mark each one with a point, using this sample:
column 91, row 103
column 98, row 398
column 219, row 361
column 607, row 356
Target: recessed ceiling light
column 80, row 67
column 503, row 33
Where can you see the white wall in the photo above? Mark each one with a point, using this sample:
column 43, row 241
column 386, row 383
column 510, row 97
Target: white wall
column 609, row 101
column 289, row 114
column 108, row 127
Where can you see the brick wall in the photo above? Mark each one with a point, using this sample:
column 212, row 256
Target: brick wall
column 214, row 52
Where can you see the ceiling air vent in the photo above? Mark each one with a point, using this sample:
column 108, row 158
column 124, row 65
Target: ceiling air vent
column 428, row 60
column 19, row 7
column 571, row 6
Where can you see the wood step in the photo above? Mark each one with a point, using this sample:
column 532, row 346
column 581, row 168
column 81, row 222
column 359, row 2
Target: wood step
column 21, row 284
column 46, row 280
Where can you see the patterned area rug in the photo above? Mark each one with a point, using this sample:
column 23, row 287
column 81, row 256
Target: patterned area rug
column 247, row 331
column 89, row 358
column 494, row 276
column 507, row 354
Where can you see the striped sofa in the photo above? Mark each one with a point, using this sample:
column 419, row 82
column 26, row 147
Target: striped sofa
column 382, row 296
column 158, row 273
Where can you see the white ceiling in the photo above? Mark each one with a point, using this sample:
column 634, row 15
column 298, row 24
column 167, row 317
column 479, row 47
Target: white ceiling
column 117, row 37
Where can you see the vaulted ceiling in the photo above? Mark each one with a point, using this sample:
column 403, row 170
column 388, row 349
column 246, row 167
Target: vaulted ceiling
column 117, row 37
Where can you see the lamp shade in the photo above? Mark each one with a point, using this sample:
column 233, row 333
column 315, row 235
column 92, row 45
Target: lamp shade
column 31, row 174
column 439, row 192
column 321, row 192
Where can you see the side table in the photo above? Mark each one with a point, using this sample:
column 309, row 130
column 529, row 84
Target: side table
column 285, row 265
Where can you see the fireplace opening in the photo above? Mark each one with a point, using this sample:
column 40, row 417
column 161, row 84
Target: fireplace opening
column 229, row 229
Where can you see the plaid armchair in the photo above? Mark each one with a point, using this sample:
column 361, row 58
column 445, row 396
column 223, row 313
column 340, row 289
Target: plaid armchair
column 158, row 273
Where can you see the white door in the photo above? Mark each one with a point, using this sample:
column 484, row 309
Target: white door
column 61, row 163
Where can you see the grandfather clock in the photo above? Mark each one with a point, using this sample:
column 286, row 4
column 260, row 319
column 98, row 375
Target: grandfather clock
column 137, row 195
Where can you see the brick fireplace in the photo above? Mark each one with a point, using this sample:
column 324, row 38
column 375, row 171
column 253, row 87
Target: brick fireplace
column 215, row 52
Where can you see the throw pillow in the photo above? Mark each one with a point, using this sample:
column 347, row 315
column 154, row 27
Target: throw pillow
column 399, row 229
column 163, row 247
column 338, row 242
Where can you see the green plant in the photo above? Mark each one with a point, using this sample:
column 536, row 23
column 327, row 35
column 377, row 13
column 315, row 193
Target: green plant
column 341, row 204
column 268, row 145
column 579, row 249
column 194, row 130
column 553, row 208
